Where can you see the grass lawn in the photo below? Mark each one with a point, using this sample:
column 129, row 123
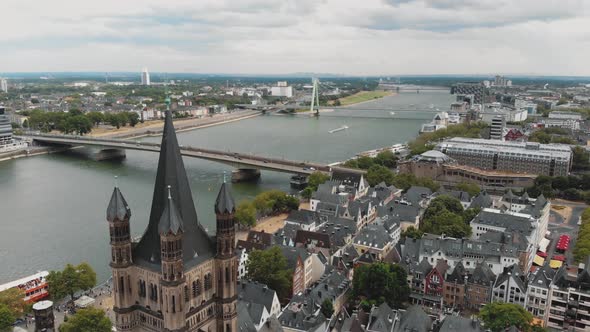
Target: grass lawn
column 363, row 96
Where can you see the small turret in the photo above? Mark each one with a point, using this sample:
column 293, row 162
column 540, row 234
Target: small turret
column 171, row 231
column 224, row 211
column 118, row 215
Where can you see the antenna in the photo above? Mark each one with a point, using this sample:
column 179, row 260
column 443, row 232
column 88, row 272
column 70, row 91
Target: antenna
column 224, row 176
column 169, row 192
column 116, row 181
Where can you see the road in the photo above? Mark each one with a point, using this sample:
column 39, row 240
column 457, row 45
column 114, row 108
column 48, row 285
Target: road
column 558, row 226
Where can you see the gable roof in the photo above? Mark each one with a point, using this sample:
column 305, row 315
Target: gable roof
column 196, row 243
column 305, row 237
column 171, row 221
column 256, row 293
column 482, row 275
column 453, row 323
column 414, row 319
column 118, row 208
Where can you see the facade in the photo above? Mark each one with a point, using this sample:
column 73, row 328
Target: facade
column 478, row 288
column 569, row 307
column 497, row 127
column 471, row 92
column 510, row 287
column 454, row 287
column 515, row 157
column 5, row 128
column 145, row 77
column 3, row 85
column 539, row 290
column 282, row 89
column 176, row 278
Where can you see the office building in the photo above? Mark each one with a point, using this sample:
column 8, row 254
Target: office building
column 3, row 85
column 471, row 92
column 282, row 90
column 509, row 156
column 497, row 127
column 145, row 77
column 5, row 127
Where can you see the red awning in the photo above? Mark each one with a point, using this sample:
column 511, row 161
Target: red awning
column 542, row 254
column 559, row 258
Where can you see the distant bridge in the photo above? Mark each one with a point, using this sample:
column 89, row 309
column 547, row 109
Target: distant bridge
column 240, row 161
column 290, row 107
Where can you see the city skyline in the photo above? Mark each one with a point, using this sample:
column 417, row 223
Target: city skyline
column 407, row 37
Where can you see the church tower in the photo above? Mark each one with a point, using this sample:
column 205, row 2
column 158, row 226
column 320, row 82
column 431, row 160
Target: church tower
column 226, row 260
column 118, row 215
column 176, row 278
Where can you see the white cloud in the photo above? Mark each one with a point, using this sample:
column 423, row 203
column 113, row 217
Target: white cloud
column 270, row 36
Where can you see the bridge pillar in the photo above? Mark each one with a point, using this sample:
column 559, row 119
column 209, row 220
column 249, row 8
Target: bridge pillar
column 245, row 175
column 109, row 154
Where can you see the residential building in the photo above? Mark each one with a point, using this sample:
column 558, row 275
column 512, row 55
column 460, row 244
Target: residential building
column 539, row 291
column 453, row 323
column 373, row 239
column 254, row 292
column 307, row 220
column 510, row 286
column 434, row 285
column 300, row 261
column 516, row 157
column 479, row 285
column 565, row 115
column 5, row 128
column 569, row 308
column 454, row 287
column 176, row 277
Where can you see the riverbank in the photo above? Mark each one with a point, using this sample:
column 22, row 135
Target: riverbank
column 155, row 127
column 364, row 96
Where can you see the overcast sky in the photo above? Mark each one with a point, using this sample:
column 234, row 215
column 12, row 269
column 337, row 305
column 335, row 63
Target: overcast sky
column 359, row 37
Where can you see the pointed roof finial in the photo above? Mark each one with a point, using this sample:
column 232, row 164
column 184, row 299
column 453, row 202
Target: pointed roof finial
column 116, row 181
column 169, row 192
column 224, row 176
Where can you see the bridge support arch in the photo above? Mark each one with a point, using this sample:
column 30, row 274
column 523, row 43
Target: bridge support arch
column 109, row 154
column 245, row 175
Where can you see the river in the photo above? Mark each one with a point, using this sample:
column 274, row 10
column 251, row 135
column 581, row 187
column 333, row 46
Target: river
column 52, row 207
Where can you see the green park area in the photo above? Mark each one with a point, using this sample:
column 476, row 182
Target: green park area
column 362, row 96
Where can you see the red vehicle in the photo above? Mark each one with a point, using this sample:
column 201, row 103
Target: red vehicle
column 563, row 243
column 34, row 286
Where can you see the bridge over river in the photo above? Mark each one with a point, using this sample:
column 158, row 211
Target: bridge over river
column 247, row 166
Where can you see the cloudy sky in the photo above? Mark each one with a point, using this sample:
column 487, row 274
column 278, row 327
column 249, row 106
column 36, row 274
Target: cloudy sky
column 359, row 37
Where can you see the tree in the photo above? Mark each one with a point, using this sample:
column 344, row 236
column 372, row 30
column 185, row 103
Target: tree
column 499, row 316
column 87, row 320
column 317, row 178
column 96, row 117
column 269, row 267
column 381, row 282
column 6, row 318
column 386, row 158
column 327, row 308
column 445, row 215
column 365, row 162
column 581, row 159
column 246, row 214
column 133, row 119
column 71, row 280
column 412, row 233
column 469, row 187
column 307, row 193
column 13, row 299
column 377, row 174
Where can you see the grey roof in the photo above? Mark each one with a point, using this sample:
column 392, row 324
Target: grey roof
column 196, row 244
column 482, row 275
column 271, row 325
column 171, row 221
column 304, row 217
column 424, row 267
column 339, row 229
column 225, row 201
column 254, row 292
column 512, row 271
column 482, row 200
column 381, row 318
column 118, row 208
column 542, row 277
column 510, row 222
column 292, row 254
column 347, row 177
column 414, row 319
column 331, row 285
column 372, row 235
column 245, row 323
column 462, row 196
column 416, row 194
column 458, row 274
column 401, row 212
column 453, row 323
column 300, row 314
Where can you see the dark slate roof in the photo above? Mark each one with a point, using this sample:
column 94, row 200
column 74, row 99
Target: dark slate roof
column 457, row 323
column 512, row 271
column 271, row 325
column 249, row 246
column 458, row 274
column 245, row 323
column 330, row 286
column 118, row 208
column 292, row 254
column 304, row 217
column 196, row 244
column 260, row 237
column 482, row 275
column 346, row 177
column 351, row 324
column 372, row 235
column 416, row 194
column 300, row 314
column 542, row 277
column 512, row 223
column 171, row 221
column 414, row 319
column 381, row 318
column 482, row 200
column 254, row 292
column 424, row 267
column 225, row 201
column 403, row 212
column 462, row 196
column 321, row 240
column 338, row 229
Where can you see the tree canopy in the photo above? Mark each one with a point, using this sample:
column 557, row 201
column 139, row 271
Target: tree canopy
column 499, row 316
column 445, row 215
column 381, row 282
column 246, row 214
column 13, row 299
column 87, row 320
column 269, row 267
column 71, row 280
column 327, row 308
column 469, row 187
column 313, row 182
column 582, row 246
column 6, row 318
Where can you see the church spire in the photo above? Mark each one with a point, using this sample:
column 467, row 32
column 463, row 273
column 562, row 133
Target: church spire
column 171, row 221
column 118, row 208
column 171, row 171
column 225, row 201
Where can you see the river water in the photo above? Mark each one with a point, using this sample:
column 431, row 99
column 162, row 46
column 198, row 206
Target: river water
column 52, row 207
